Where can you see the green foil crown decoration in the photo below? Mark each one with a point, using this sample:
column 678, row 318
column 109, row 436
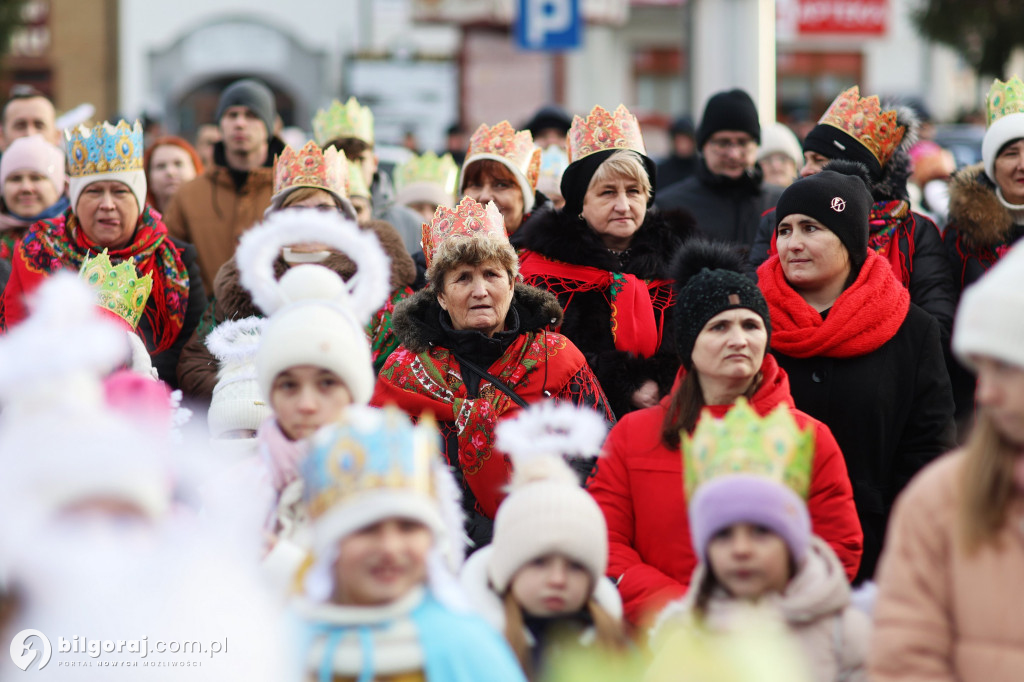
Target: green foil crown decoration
column 1004, row 99
column 119, row 290
column 343, row 120
column 744, row 442
column 428, row 167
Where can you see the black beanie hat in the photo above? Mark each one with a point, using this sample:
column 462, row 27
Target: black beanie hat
column 729, row 110
column 549, row 117
column 833, row 143
column 838, row 198
column 709, row 278
column 576, row 178
column 252, row 94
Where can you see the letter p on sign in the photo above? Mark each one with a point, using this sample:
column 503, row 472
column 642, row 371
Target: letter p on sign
column 548, row 24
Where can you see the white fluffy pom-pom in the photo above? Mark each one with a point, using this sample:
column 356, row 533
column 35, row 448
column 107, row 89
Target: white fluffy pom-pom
column 236, row 341
column 367, row 290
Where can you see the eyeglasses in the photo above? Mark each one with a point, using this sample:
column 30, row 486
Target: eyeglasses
column 724, row 145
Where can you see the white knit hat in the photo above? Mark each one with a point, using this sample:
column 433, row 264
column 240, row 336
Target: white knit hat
column 547, row 512
column 237, row 403
column 777, row 137
column 990, row 318
column 316, row 318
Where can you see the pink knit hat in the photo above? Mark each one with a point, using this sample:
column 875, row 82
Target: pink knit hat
column 34, row 153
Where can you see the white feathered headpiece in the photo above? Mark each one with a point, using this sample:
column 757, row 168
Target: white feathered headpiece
column 235, row 342
column 364, row 293
column 540, row 437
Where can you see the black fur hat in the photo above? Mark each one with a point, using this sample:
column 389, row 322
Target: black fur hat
column 709, row 280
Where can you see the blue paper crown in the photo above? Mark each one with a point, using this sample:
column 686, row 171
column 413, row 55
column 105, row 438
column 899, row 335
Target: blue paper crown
column 104, row 149
column 369, row 450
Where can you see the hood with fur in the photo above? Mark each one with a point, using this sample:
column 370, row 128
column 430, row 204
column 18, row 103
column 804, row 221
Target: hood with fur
column 975, row 210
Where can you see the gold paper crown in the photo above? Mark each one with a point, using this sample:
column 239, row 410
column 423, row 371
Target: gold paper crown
column 743, row 442
column 504, row 142
column 310, row 167
column 862, row 119
column 468, row 219
column 357, row 182
column 384, row 451
column 343, row 120
column 104, row 149
column 1004, row 99
column 119, row 290
column 430, row 168
column 601, row 131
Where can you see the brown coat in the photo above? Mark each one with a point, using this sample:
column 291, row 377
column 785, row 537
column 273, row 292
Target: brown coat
column 941, row 615
column 197, row 368
column 212, row 214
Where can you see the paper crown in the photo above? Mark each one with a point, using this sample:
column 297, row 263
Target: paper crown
column 468, row 219
column 310, row 167
column 1004, row 98
column 743, row 442
column 343, row 120
column 367, row 451
column 357, row 182
column 504, row 142
column 601, row 131
column 119, row 290
column 104, row 149
column 429, row 167
column 862, row 119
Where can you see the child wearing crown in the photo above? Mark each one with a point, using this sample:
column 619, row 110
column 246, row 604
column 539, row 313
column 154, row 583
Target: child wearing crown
column 379, row 600
column 746, row 478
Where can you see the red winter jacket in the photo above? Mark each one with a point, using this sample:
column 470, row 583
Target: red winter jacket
column 639, row 486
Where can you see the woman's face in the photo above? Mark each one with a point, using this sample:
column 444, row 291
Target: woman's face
column 477, row 296
column 812, row 257
column 501, row 188
column 363, row 207
column 108, row 213
column 551, row 585
column 28, row 192
column 615, row 209
column 731, row 346
column 1000, row 391
column 306, row 397
column 170, row 167
column 380, row 564
column 749, row 561
column 1009, row 170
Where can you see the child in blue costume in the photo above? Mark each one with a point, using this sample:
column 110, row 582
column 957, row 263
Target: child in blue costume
column 381, row 602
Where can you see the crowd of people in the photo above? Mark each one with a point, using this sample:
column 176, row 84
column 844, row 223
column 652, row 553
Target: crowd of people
column 544, row 409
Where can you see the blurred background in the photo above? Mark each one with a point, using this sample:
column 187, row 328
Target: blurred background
column 424, row 66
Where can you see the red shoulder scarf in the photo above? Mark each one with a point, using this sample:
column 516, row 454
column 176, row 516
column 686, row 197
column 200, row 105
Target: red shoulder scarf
column 638, row 306
column 864, row 317
column 60, row 243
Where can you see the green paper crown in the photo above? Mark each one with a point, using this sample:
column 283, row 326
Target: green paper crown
column 743, row 442
column 119, row 290
column 1004, row 99
column 431, row 168
column 343, row 120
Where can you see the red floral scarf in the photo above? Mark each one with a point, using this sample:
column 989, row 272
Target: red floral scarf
column 866, row 315
column 60, row 243
column 886, row 220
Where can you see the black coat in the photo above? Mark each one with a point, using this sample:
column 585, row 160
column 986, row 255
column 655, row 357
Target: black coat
column 891, row 411
column 587, row 321
column 726, row 210
column 166, row 363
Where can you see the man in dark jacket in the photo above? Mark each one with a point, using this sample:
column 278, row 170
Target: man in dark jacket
column 726, row 195
column 682, row 162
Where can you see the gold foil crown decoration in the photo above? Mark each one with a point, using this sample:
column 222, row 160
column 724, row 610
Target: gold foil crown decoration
column 119, row 290
column 428, row 167
column 104, row 149
column 310, row 167
column 343, row 120
column 602, row 130
column 505, row 142
column 468, row 219
column 1004, row 99
column 744, row 442
column 862, row 119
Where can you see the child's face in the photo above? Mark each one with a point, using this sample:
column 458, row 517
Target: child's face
column 381, row 563
column 306, row 397
column 749, row 561
column 551, row 585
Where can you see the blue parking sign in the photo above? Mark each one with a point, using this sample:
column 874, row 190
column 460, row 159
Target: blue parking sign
column 549, row 24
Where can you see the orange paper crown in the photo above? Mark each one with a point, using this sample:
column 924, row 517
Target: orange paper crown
column 505, row 143
column 309, row 167
column 602, row 130
column 862, row 119
column 468, row 219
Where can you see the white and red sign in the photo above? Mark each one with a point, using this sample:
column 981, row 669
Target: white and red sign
column 863, row 17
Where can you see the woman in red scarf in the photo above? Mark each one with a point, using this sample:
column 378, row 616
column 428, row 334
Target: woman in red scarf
column 860, row 356
column 108, row 212
column 475, row 348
